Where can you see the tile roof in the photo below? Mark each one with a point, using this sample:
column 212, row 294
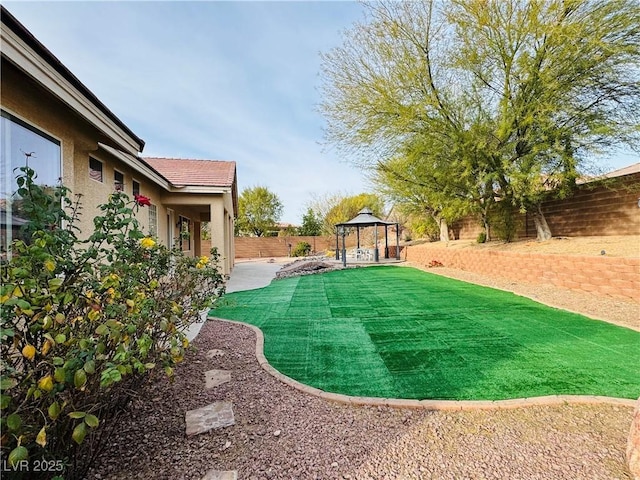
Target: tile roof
column 189, row 172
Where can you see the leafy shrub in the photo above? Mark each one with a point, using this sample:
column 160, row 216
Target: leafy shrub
column 482, row 237
column 302, row 249
column 505, row 222
column 425, row 227
column 85, row 324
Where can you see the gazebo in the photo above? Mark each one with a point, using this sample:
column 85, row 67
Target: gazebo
column 366, row 218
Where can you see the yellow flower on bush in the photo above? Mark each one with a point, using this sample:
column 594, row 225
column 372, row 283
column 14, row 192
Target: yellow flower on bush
column 202, row 262
column 147, row 242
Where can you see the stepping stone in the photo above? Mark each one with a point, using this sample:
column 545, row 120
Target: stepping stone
column 213, row 378
column 216, row 415
column 221, row 475
column 215, row 353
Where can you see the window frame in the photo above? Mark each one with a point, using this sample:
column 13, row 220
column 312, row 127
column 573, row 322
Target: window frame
column 153, row 220
column 39, row 131
column 117, row 172
column 134, row 182
column 93, row 159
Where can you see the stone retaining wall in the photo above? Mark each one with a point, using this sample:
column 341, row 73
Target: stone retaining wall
column 610, row 276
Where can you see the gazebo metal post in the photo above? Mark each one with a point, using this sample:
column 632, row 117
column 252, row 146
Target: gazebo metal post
column 376, row 255
column 337, row 245
column 358, row 235
column 343, row 232
column 397, row 241
column 386, row 243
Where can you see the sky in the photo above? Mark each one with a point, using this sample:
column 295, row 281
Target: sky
column 212, row 80
column 234, row 80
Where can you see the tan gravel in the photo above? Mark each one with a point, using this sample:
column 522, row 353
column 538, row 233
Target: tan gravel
column 627, row 246
column 282, row 433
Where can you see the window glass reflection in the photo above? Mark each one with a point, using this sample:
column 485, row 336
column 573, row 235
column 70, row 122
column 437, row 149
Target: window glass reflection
column 22, row 145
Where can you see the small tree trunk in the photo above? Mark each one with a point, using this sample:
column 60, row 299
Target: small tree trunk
column 487, row 229
column 444, row 228
column 543, row 232
column 485, row 223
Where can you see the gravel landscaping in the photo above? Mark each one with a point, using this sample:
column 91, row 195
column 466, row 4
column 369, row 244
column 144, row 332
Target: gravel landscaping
column 281, row 433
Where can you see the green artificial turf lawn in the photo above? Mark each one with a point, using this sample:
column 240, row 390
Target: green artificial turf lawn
column 398, row 332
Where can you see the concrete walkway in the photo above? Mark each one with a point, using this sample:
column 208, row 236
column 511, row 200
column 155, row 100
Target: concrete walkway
column 252, row 274
column 246, row 275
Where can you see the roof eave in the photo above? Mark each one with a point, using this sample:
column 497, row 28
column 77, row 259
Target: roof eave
column 21, row 48
column 204, row 189
column 138, row 165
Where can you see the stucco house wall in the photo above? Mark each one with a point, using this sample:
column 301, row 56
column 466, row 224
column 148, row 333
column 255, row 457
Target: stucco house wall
column 25, row 99
column 38, row 90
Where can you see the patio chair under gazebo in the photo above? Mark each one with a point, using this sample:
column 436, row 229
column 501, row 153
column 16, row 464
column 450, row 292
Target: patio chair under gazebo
column 366, row 218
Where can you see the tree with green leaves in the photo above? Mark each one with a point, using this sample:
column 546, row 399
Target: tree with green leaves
column 348, row 207
column 340, row 207
column 562, row 80
column 259, row 210
column 311, row 224
column 508, row 98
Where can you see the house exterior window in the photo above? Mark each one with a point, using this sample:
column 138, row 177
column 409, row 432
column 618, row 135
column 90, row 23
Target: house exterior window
column 153, row 221
column 95, row 170
column 136, row 188
column 118, row 180
column 23, row 145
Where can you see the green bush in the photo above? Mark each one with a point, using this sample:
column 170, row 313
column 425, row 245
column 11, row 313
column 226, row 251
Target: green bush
column 505, row 222
column 85, row 324
column 482, row 237
column 302, row 249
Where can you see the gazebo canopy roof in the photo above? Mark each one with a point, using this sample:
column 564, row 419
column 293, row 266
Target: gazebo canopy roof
column 365, row 218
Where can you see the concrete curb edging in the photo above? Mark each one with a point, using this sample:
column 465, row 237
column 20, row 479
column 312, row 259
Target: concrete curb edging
column 425, row 404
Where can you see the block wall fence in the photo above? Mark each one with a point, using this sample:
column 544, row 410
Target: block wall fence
column 260, row 247
column 603, row 276
column 594, row 209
